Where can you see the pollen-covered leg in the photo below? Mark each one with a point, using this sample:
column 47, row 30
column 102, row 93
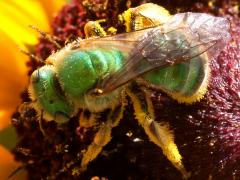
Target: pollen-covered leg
column 103, row 136
column 88, row 119
column 159, row 133
column 94, row 29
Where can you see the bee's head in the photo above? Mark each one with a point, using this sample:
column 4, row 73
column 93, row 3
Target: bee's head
column 47, row 95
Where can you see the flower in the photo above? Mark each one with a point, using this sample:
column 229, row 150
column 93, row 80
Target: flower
column 14, row 34
column 207, row 133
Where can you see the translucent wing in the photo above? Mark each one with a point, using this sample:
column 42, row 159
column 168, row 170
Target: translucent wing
column 185, row 36
column 124, row 42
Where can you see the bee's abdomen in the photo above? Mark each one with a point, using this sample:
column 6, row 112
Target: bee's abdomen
column 80, row 70
column 185, row 82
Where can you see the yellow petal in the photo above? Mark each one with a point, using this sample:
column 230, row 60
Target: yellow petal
column 8, row 165
column 15, row 17
column 51, row 7
column 13, row 78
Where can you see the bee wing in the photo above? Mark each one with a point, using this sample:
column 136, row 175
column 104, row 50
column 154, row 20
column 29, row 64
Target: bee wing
column 184, row 37
column 124, row 42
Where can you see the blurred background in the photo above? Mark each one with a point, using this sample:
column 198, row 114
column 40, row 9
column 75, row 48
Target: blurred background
column 15, row 34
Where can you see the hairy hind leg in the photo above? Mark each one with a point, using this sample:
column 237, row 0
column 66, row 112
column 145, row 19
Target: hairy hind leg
column 159, row 133
column 88, row 119
column 103, row 135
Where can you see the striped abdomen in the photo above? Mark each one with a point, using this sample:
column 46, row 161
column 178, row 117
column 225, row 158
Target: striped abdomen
column 185, row 82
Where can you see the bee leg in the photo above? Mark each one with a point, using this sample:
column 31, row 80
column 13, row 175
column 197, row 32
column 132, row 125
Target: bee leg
column 94, row 29
column 103, row 135
column 88, row 119
column 24, row 107
column 41, row 126
column 159, row 133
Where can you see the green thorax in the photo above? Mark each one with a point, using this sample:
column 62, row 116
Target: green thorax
column 80, row 70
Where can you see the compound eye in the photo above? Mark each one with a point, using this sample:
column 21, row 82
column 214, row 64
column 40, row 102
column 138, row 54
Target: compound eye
column 35, row 77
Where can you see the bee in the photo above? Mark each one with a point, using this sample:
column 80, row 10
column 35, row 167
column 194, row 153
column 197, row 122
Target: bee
column 157, row 52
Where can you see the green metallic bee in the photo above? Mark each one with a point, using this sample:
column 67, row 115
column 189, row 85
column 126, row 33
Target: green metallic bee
column 158, row 52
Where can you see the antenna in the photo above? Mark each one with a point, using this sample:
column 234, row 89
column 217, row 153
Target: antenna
column 32, row 56
column 14, row 172
column 46, row 36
